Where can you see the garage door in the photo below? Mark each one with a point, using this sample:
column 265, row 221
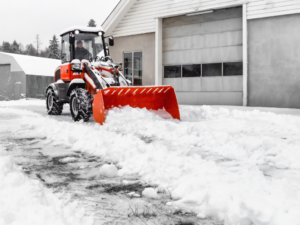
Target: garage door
column 5, row 82
column 202, row 57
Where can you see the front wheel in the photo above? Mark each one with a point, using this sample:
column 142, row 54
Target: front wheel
column 53, row 107
column 80, row 104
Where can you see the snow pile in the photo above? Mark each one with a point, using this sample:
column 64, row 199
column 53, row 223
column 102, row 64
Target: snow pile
column 25, row 201
column 68, row 160
column 215, row 162
column 109, row 170
column 150, row 193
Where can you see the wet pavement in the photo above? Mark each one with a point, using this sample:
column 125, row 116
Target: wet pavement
column 109, row 200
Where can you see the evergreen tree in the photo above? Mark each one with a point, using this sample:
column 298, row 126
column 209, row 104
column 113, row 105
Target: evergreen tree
column 54, row 49
column 30, row 50
column 15, row 48
column 6, row 47
column 45, row 53
column 92, row 23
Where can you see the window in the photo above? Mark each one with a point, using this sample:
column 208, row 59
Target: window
column 87, row 45
column 234, row 68
column 191, row 70
column 172, row 71
column 133, row 67
column 65, row 50
column 137, row 68
column 213, row 69
column 206, row 70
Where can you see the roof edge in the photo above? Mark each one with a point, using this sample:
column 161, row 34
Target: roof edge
column 117, row 15
column 111, row 12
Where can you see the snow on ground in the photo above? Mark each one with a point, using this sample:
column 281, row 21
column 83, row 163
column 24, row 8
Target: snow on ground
column 241, row 167
column 25, row 201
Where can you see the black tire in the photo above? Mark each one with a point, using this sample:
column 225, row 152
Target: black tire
column 80, row 104
column 53, row 107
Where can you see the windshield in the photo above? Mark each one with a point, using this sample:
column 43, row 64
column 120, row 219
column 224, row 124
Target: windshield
column 87, row 46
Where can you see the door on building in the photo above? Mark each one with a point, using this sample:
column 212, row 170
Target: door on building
column 133, row 67
column 203, row 57
column 5, row 82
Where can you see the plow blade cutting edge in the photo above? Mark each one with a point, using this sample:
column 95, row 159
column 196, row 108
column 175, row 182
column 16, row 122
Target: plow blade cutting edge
column 151, row 98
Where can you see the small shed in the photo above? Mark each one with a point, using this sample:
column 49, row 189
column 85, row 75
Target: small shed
column 25, row 76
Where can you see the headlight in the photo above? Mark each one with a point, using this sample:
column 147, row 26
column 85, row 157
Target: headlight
column 76, row 66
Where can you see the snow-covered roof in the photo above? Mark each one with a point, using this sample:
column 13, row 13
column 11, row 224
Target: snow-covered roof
column 31, row 65
column 83, row 29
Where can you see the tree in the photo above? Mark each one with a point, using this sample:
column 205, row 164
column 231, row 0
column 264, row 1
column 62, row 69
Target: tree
column 54, row 48
column 30, row 50
column 92, row 23
column 15, row 48
column 45, row 53
column 6, row 47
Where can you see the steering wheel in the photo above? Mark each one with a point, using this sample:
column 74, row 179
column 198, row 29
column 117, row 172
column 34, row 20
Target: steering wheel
column 106, row 58
column 89, row 56
column 97, row 58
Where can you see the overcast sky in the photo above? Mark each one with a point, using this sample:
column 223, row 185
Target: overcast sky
column 22, row 20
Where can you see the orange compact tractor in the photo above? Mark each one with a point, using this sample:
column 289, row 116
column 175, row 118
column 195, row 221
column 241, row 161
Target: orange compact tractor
column 91, row 83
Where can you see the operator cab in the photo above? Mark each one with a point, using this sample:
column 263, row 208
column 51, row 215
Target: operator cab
column 84, row 43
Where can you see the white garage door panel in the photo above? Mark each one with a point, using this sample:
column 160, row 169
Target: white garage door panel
column 204, row 41
column 191, row 84
column 212, row 84
column 203, row 28
column 209, row 55
column 231, row 98
column 187, row 98
column 217, row 15
column 174, row 82
column 233, row 83
column 208, row 98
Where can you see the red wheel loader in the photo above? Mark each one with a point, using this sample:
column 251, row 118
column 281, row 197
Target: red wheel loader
column 91, row 83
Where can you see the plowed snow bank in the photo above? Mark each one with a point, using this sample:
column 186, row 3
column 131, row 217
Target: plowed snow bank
column 238, row 166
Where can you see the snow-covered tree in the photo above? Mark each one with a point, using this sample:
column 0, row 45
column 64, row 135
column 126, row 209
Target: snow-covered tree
column 92, row 23
column 6, row 47
column 30, row 50
column 16, row 48
column 54, row 49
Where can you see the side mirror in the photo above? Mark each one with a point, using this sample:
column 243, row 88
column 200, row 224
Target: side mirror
column 111, row 41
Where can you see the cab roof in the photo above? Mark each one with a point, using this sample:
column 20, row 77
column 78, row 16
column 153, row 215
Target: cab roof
column 82, row 29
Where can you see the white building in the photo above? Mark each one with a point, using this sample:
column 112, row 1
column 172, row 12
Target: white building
column 27, row 76
column 226, row 52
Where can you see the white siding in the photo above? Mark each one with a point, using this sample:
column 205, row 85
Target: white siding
column 141, row 17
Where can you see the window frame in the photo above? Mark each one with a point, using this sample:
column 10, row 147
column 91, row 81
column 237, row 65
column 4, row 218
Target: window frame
column 132, row 66
column 234, row 75
column 201, row 69
column 172, row 77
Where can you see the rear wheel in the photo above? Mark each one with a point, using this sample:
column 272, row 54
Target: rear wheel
column 53, row 107
column 80, row 104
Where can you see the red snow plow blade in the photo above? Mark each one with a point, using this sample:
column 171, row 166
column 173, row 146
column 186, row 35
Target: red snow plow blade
column 151, row 98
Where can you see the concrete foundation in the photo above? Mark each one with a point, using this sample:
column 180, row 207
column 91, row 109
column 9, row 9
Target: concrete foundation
column 144, row 43
column 274, row 62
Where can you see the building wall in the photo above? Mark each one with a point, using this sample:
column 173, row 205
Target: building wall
column 36, row 85
column 142, row 42
column 274, row 61
column 140, row 17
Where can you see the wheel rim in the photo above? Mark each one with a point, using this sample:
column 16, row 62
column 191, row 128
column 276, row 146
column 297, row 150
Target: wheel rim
column 75, row 106
column 50, row 101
